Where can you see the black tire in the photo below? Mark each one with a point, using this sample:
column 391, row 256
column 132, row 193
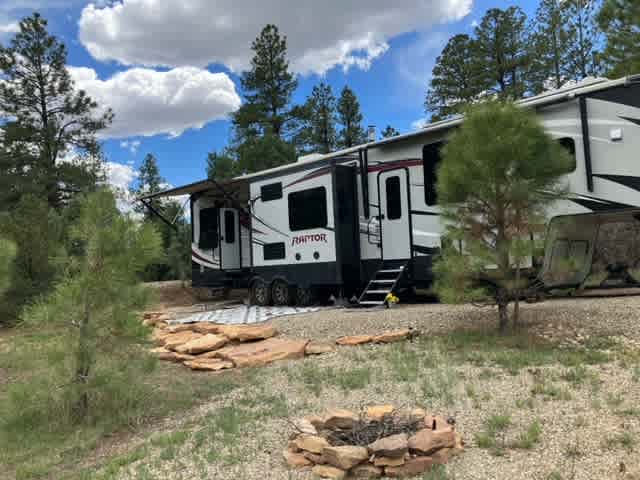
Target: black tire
column 281, row 293
column 260, row 293
column 304, row 296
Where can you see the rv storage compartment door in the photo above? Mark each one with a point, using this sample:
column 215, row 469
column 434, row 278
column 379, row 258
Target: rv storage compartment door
column 394, row 215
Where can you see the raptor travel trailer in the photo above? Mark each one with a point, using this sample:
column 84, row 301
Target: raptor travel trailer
column 365, row 220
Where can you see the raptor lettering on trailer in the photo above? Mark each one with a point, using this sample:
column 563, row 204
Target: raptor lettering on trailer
column 313, row 238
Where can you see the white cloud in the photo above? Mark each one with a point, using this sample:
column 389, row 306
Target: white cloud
column 148, row 102
column 321, row 35
column 419, row 124
column 11, row 27
column 131, row 145
column 119, row 178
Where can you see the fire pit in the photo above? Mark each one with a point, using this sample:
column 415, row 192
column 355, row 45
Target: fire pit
column 381, row 440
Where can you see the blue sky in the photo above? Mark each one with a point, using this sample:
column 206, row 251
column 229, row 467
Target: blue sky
column 139, row 55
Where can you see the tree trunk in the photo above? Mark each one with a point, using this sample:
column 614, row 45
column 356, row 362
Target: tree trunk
column 516, row 305
column 503, row 312
column 83, row 366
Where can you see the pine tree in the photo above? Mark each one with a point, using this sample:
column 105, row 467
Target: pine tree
column 620, row 22
column 350, row 117
column 455, row 78
column 47, row 118
column 268, row 87
column 493, row 196
column 221, row 166
column 95, row 305
column 148, row 182
column 502, row 48
column 550, row 46
column 389, row 132
column 7, row 254
column 321, row 120
column 259, row 153
column 583, row 38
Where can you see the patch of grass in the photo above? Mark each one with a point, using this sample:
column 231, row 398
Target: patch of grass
column 614, row 400
column 575, row 375
column 515, row 351
column 530, row 437
column 440, row 383
column 438, row 472
column 528, row 402
column 351, row 379
column 404, row 361
column 315, row 379
column 635, row 374
column 550, row 391
column 493, row 426
column 554, row 476
column 623, row 440
column 628, row 412
column 169, row 439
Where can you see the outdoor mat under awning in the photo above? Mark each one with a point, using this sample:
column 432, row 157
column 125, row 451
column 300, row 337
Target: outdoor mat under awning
column 243, row 314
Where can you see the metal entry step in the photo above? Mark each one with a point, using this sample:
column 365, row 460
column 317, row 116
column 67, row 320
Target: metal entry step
column 376, row 292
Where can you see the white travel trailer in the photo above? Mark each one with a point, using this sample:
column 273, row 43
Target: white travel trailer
column 365, row 220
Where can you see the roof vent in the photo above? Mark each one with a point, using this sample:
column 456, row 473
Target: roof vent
column 371, row 133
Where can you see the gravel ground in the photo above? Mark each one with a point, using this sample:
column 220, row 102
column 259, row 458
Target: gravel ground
column 579, row 427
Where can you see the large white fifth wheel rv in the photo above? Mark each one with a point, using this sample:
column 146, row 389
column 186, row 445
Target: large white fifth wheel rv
column 365, row 220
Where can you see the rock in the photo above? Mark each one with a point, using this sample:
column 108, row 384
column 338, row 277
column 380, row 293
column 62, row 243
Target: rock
column 209, row 364
column 393, row 446
column 205, row 343
column 390, row 337
column 206, row 355
column 436, row 422
column 388, row 462
column 340, row 419
column 378, row 412
column 314, row 458
column 345, row 457
column 315, row 420
column 159, row 337
column 207, row 327
column 181, row 327
column 170, row 356
column 159, row 350
column 414, row 414
column 327, row 471
column 293, row 446
column 411, row 468
column 365, row 471
column 442, row 456
column 303, row 425
column 427, row 441
column 311, row 443
column 174, row 340
column 314, row 348
column 354, row 340
column 248, row 333
column 295, row 460
column 263, row 352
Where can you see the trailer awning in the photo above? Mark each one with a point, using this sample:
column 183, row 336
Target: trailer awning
column 197, row 187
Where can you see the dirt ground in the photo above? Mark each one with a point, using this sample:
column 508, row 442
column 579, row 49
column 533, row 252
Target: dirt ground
column 560, row 399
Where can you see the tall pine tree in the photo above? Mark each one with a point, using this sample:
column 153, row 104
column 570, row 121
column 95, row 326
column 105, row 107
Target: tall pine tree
column 350, row 117
column 149, row 181
column 620, row 22
column 389, row 132
column 583, row 38
column 503, row 52
column 222, row 165
column 321, row 119
column 550, row 46
column 268, row 86
column 47, row 119
column 455, row 78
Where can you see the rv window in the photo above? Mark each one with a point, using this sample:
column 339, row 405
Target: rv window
column 273, row 191
column 273, row 251
column 229, row 226
column 570, row 145
column 208, row 229
column 394, row 202
column 430, row 162
column 308, row 209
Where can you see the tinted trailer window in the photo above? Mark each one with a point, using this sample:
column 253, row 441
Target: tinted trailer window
column 308, row 209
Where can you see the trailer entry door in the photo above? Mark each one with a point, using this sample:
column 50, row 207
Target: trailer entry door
column 394, row 215
column 229, row 239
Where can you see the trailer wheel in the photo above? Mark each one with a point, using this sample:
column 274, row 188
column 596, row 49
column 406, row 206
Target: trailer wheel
column 281, row 293
column 304, row 296
column 260, row 293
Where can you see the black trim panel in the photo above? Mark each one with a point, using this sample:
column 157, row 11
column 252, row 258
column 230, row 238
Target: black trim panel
column 626, row 180
column 304, row 275
column 422, row 212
